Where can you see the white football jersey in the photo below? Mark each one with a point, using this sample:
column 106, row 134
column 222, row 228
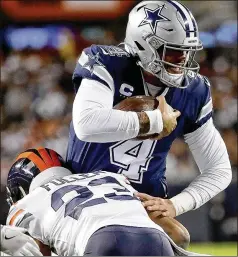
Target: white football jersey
column 65, row 212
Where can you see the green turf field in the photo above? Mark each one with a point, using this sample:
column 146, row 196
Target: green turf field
column 218, row 249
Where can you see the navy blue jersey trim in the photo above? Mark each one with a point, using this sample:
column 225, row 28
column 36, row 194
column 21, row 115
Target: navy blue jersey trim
column 197, row 125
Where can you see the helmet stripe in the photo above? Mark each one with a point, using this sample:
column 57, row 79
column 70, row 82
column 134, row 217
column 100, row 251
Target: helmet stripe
column 193, row 20
column 33, row 150
column 55, row 158
column 34, row 158
column 46, row 157
column 189, row 25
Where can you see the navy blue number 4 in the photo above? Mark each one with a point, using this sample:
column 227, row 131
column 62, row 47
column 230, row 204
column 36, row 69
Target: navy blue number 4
column 75, row 206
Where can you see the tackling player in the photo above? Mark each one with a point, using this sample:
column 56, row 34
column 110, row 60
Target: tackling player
column 157, row 59
column 80, row 214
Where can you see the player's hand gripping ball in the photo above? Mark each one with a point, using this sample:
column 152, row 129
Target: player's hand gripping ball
column 149, row 103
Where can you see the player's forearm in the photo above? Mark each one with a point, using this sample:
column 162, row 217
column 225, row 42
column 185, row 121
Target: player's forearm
column 94, row 119
column 107, row 125
column 201, row 190
column 150, row 122
column 144, row 123
column 211, row 156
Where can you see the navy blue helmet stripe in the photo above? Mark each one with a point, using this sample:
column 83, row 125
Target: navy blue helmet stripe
column 183, row 16
column 193, row 20
column 195, row 31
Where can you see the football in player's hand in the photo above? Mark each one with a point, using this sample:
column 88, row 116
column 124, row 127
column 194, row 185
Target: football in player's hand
column 139, row 104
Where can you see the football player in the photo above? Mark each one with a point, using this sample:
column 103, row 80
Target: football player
column 15, row 242
column 157, row 59
column 80, row 214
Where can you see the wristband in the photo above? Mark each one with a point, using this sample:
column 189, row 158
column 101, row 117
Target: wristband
column 156, row 121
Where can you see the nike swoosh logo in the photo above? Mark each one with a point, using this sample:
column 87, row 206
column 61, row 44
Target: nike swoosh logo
column 7, row 238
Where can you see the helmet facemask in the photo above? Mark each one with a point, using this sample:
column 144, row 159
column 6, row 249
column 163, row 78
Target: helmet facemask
column 16, row 194
column 161, row 68
column 10, row 200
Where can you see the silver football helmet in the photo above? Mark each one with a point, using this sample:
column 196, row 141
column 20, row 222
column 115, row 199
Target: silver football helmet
column 157, row 29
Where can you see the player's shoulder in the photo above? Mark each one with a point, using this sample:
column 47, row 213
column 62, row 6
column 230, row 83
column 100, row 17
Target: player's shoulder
column 25, row 209
column 108, row 52
column 199, row 83
column 199, row 106
column 200, row 87
column 104, row 64
column 107, row 56
column 16, row 214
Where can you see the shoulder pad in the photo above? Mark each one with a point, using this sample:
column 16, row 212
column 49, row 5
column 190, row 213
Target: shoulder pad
column 201, row 101
column 199, row 85
column 99, row 62
column 19, row 218
column 207, row 82
column 111, row 50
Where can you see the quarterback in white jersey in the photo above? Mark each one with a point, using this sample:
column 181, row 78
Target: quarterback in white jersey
column 80, row 214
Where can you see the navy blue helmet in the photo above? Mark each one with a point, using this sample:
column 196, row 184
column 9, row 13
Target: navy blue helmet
column 26, row 167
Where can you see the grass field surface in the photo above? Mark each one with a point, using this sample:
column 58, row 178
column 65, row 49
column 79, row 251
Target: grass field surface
column 217, row 249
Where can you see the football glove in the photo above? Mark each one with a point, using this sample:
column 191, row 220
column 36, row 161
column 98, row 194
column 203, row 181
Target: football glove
column 16, row 243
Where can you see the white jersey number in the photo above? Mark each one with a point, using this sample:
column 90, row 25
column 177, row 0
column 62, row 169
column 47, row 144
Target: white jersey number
column 133, row 157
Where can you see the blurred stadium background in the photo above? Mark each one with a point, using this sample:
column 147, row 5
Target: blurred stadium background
column 40, row 43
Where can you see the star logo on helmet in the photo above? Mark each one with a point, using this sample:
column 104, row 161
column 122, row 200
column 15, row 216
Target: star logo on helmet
column 153, row 17
column 93, row 60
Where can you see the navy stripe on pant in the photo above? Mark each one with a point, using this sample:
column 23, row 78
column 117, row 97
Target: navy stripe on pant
column 119, row 240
